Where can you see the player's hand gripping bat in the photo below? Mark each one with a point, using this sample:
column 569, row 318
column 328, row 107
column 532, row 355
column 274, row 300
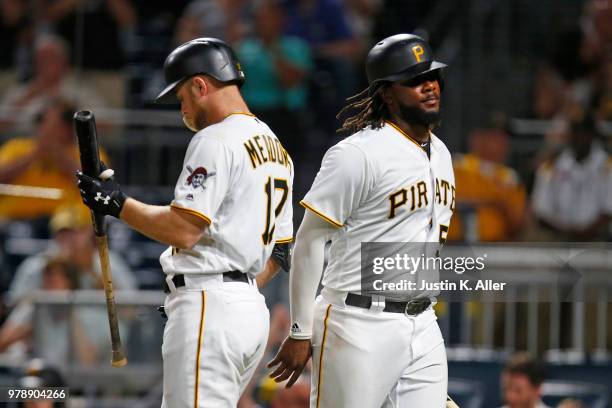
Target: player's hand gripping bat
column 85, row 128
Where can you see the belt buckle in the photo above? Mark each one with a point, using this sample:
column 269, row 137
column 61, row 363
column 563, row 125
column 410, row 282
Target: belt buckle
column 409, row 309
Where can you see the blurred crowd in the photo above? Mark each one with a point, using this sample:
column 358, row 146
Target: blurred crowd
column 302, row 59
column 565, row 192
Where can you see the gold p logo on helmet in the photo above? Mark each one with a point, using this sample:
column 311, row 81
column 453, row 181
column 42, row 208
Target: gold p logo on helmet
column 418, row 51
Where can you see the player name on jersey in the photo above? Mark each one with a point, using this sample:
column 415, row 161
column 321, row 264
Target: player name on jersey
column 445, row 195
column 263, row 149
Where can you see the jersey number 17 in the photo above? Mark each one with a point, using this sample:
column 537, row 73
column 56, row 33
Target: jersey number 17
column 270, row 188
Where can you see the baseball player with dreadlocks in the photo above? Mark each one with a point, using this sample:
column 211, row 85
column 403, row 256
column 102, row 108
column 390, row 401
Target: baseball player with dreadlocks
column 390, row 181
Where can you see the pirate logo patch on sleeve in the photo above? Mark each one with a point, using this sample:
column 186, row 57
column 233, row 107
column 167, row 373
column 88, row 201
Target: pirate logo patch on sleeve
column 198, row 177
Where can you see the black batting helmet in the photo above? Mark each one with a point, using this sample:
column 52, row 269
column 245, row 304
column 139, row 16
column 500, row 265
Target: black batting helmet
column 400, row 57
column 209, row 56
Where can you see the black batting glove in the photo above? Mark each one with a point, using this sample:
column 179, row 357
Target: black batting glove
column 102, row 195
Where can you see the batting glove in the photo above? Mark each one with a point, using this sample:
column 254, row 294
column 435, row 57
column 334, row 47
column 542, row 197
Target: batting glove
column 102, row 194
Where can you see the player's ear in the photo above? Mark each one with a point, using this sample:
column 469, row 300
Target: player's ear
column 199, row 86
column 385, row 94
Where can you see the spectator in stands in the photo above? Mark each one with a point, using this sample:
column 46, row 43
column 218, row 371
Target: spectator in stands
column 49, row 159
column 277, row 68
column 52, row 79
column 572, row 196
column 228, row 20
column 490, row 199
column 58, row 274
column 521, row 381
column 73, row 239
column 571, row 403
column 323, row 25
column 104, row 25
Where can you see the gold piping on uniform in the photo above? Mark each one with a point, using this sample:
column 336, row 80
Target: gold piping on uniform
column 200, row 337
column 284, row 240
column 192, row 212
column 240, row 113
column 406, row 135
column 319, row 383
column 320, row 214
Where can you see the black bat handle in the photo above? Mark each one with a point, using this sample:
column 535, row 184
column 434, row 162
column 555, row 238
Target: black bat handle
column 87, row 137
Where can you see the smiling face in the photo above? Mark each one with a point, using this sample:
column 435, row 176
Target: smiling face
column 416, row 100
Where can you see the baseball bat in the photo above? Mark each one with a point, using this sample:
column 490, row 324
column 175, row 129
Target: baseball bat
column 87, row 137
column 16, row 190
column 450, row 403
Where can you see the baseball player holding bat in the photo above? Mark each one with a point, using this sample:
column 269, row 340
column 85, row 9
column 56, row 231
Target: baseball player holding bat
column 390, row 181
column 85, row 129
column 228, row 226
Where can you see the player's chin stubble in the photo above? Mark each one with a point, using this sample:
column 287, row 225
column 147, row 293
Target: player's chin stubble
column 197, row 123
column 189, row 124
column 414, row 114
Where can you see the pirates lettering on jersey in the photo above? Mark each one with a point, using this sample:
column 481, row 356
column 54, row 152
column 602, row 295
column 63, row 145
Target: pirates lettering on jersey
column 416, row 195
column 263, row 149
column 443, row 188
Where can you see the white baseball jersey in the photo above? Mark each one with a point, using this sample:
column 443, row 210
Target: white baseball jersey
column 574, row 194
column 238, row 178
column 379, row 185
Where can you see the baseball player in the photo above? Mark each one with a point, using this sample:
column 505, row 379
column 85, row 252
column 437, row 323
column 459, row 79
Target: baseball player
column 230, row 215
column 390, row 181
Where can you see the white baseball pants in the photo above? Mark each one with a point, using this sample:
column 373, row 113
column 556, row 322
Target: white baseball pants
column 367, row 358
column 214, row 338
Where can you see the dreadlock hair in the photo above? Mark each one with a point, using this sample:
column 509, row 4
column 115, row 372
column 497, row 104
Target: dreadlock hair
column 372, row 110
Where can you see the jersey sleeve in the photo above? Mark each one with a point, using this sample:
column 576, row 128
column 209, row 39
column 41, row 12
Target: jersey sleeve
column 340, row 185
column 205, row 178
column 284, row 224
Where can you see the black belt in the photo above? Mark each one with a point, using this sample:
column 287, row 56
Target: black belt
column 233, row 276
column 412, row 308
